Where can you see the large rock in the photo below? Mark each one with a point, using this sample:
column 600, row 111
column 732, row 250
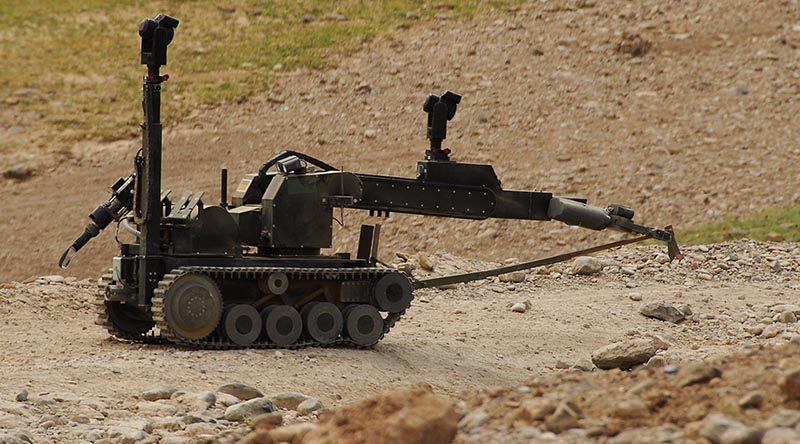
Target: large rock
column 624, row 355
column 241, row 391
column 249, row 409
column 159, row 392
column 586, row 265
column 413, row 415
column 663, row 311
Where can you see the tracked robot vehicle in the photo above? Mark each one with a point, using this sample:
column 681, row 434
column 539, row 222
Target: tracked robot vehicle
column 250, row 273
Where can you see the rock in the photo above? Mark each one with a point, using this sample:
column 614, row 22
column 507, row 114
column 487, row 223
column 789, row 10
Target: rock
column 624, row 355
column 241, row 391
column 754, row 330
column 17, row 172
column 720, row 429
column 287, row 400
column 656, row 362
column 406, row 267
column 257, row 437
column 770, row 331
column 516, row 277
column 663, row 311
column 686, row 309
column 635, row 296
column 697, row 373
column 413, row 415
column 780, row 435
column 560, row 364
column 371, row 133
column 309, row 406
column 22, row 396
column 249, row 409
column 787, row 317
column 198, row 401
column 308, row 18
column 159, row 392
column 291, row 433
column 784, row 418
column 584, row 365
column 267, row 421
column 586, row 265
column 780, row 308
column 425, row 262
column 633, row 44
column 227, row 400
column 536, row 409
column 752, row 400
column 519, row 307
column 564, row 418
column 628, row 408
column 152, row 408
column 790, row 383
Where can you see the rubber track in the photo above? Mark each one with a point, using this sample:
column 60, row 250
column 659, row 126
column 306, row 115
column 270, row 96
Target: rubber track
column 333, row 274
column 149, row 337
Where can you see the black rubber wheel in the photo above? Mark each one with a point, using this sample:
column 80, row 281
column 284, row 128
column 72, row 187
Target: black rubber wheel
column 363, row 324
column 192, row 306
column 393, row 292
column 323, row 321
column 241, row 324
column 282, row 324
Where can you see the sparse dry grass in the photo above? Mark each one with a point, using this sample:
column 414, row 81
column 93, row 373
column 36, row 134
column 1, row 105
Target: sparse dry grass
column 77, row 58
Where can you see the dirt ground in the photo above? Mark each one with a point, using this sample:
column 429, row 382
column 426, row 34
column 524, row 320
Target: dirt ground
column 696, row 127
column 459, row 340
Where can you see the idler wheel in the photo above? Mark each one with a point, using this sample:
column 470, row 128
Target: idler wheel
column 323, row 321
column 192, row 306
column 282, row 324
column 127, row 319
column 241, row 324
column 278, row 283
column 363, row 324
column 393, row 292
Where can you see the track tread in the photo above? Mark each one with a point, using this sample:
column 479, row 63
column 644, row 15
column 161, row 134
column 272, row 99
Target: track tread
column 212, row 343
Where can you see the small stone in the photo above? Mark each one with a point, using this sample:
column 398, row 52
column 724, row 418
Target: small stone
column 288, row 400
column 774, row 236
column 227, row 400
column 656, row 362
column 772, row 330
column 561, row 364
column 754, row 330
column 752, row 400
column 198, row 401
column 516, row 277
column 159, row 392
column 22, row 396
column 787, row 317
column 780, row 435
column 309, row 406
column 721, row 429
column 267, row 421
column 17, row 172
column 371, row 134
column 519, row 307
column 686, row 309
column 249, row 409
column 536, row 409
column 635, row 296
column 564, row 418
column 624, row 355
column 425, row 262
column 586, row 265
column 308, row 18
column 663, row 311
column 630, row 271
column 406, row 267
column 790, row 383
column 784, row 418
column 242, row 391
column 584, row 365
column 697, row 373
column 291, row 433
